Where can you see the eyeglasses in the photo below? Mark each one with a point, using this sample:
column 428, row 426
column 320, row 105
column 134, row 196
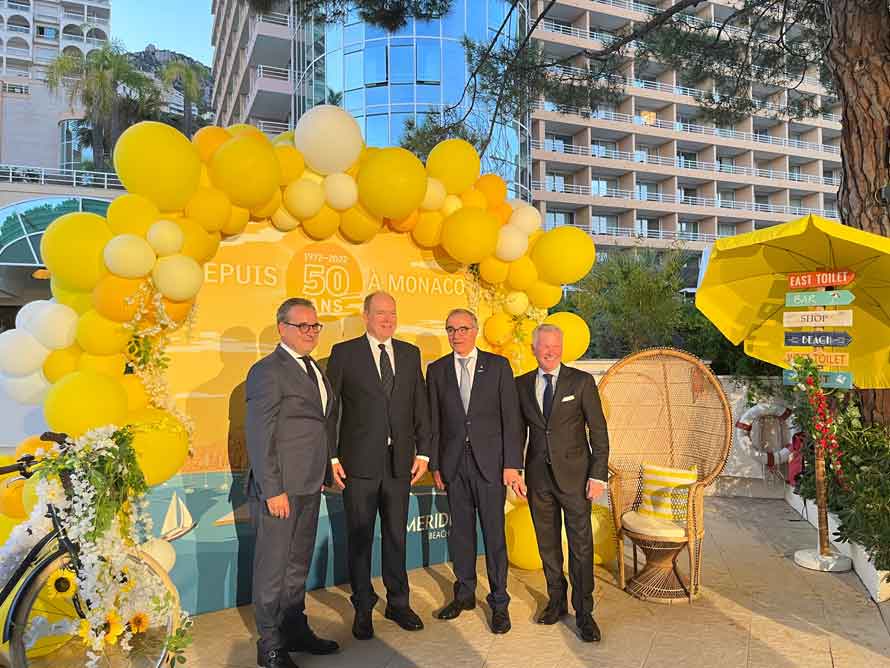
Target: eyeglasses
column 305, row 327
column 463, row 331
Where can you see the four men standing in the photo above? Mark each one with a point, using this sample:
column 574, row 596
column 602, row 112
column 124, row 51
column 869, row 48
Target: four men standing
column 373, row 426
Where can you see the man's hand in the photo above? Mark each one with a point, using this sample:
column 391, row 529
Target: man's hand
column 437, row 478
column 419, row 468
column 339, row 474
column 595, row 489
column 514, row 481
column 279, row 506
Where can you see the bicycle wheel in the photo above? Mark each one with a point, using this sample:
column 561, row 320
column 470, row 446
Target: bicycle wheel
column 45, row 629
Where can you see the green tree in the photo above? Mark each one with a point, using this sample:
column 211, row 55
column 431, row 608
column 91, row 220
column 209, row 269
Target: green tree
column 111, row 91
column 185, row 77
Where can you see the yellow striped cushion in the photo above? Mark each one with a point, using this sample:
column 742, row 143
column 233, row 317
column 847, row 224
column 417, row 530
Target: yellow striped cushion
column 666, row 491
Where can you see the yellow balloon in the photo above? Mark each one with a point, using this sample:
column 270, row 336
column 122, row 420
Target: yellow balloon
column 563, row 255
column 118, row 298
column 157, row 161
column 210, row 208
column 132, row 214
column 543, row 295
column 11, row 499
column 303, row 199
column 524, row 330
column 237, row 221
column 359, row 226
column 323, row 224
column 137, row 397
column 72, row 248
column 7, row 524
column 283, row 221
column 470, row 235
column 246, row 169
column 498, row 329
column 161, row 443
column 98, row 335
column 522, row 274
column 451, row 204
column 29, row 495
column 520, row 357
column 208, row 139
column 428, row 231
column 197, row 242
column 516, row 303
column 178, row 277
column 266, row 210
column 110, row 365
column 60, row 363
column 575, row 334
column 474, row 198
column 284, row 139
column 165, row 237
column 391, row 183
column 493, row 187
column 455, row 163
column 246, row 129
column 290, row 162
column 80, row 301
column 522, row 543
column 129, row 256
column 493, row 271
column 84, row 400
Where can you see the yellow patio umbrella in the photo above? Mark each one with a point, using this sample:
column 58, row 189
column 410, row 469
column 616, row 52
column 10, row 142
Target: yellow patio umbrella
column 746, row 278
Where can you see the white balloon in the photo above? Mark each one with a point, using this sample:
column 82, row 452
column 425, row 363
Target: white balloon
column 512, row 243
column 178, row 277
column 28, row 311
column 526, row 218
column 55, row 326
column 434, row 199
column 161, row 551
column 129, row 256
column 340, row 191
column 20, row 353
column 516, row 203
column 29, row 390
column 329, row 139
column 165, row 237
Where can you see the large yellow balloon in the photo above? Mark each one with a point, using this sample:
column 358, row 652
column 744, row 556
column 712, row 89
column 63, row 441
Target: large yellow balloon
column 137, row 397
column 157, row 161
column 237, row 221
column 455, row 163
column 493, row 187
column 290, row 161
column 520, row 357
column 11, row 499
column 283, row 221
column 80, row 301
column 246, row 169
column 72, row 248
column 498, row 329
column 115, row 297
column 161, row 443
column 197, row 242
column 357, row 225
column 208, row 139
column 543, row 295
column 303, row 199
column 522, row 274
column 575, row 334
column 428, row 231
column 110, row 365
column 84, row 400
column 323, row 224
column 60, row 363
column 516, row 303
column 391, row 183
column 132, row 214
column 470, row 235
column 210, row 208
column 522, row 543
column 563, row 255
column 98, row 335
column 493, row 271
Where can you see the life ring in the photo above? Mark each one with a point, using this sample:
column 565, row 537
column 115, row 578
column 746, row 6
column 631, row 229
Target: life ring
column 767, row 409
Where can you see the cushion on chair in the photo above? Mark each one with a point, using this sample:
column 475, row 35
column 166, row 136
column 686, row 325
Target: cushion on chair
column 652, row 526
column 666, row 492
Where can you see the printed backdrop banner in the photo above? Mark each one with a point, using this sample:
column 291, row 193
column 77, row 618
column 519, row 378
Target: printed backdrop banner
column 203, row 510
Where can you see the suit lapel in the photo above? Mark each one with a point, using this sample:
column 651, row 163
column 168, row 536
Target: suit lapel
column 478, row 376
column 300, row 375
column 401, row 365
column 451, row 379
column 367, row 355
column 562, row 389
column 528, row 386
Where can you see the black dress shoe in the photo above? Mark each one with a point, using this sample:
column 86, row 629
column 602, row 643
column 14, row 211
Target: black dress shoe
column 362, row 628
column 404, row 617
column 453, row 609
column 588, row 629
column 500, row 621
column 310, row 643
column 274, row 658
column 553, row 613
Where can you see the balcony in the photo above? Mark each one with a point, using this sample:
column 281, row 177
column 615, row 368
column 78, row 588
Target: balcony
column 270, row 39
column 14, row 52
column 59, row 177
column 18, row 6
column 270, row 93
column 272, row 128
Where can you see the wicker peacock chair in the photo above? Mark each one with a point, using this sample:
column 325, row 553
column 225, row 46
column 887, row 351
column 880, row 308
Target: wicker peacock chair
column 664, row 407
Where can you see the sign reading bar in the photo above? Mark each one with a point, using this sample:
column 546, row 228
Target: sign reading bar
column 821, row 358
column 818, row 339
column 833, row 298
column 820, row 279
column 838, row 379
column 818, row 318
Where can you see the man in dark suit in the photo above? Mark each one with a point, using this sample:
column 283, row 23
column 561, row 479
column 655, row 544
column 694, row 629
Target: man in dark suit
column 380, row 439
column 288, row 402
column 476, row 450
column 564, row 469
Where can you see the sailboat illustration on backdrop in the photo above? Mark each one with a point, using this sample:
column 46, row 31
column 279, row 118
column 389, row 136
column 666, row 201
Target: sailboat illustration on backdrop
column 178, row 520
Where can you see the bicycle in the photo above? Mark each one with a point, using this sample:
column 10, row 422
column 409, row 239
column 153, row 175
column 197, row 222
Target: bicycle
column 29, row 590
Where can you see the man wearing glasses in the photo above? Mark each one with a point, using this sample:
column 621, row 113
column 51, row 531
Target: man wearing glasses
column 476, row 451
column 288, row 403
column 380, row 447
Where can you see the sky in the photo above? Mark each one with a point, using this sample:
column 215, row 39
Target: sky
column 178, row 25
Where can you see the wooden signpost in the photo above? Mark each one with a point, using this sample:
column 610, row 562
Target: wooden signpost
column 818, row 318
column 833, row 298
column 820, row 279
column 818, row 339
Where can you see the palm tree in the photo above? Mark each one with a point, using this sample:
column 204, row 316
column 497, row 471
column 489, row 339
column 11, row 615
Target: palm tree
column 112, row 92
column 188, row 75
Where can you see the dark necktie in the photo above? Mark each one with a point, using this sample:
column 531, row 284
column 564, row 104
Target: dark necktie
column 386, row 375
column 310, row 371
column 548, row 395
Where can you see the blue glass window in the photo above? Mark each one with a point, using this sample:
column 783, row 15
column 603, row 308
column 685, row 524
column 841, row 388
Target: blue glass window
column 377, row 130
column 429, row 68
column 402, row 93
column 355, row 101
column 429, row 28
column 455, row 74
column 406, row 30
column 333, row 36
column 377, row 95
column 476, row 23
column 429, row 93
column 375, row 65
column 401, row 64
column 373, row 32
column 453, row 21
column 353, row 65
column 334, row 71
column 397, row 127
column 354, row 33
column 497, row 10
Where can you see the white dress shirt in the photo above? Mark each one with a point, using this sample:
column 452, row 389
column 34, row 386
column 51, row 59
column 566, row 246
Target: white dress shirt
column 318, row 378
column 471, row 366
column 541, row 384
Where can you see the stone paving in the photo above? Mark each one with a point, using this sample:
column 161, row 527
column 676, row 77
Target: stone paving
column 758, row 610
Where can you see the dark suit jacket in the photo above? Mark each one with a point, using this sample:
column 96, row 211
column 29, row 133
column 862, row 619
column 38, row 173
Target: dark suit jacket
column 287, row 437
column 493, row 422
column 359, row 429
column 575, row 455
